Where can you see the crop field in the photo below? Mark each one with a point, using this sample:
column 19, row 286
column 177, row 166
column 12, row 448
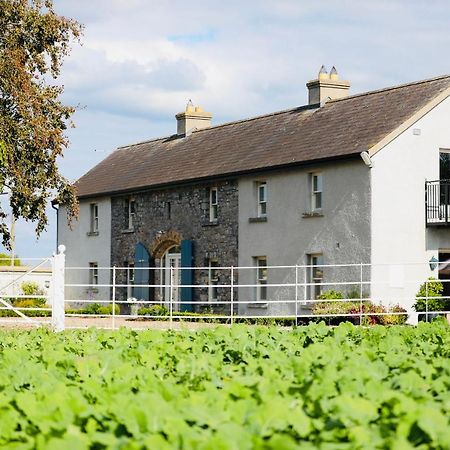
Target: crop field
column 239, row 388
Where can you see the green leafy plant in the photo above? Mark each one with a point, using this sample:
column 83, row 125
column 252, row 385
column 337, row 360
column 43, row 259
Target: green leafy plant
column 240, row 387
column 430, row 292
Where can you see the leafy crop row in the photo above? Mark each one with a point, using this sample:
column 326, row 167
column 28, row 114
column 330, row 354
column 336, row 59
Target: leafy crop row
column 228, row 388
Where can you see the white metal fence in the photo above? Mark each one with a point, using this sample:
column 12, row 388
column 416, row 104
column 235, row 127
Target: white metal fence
column 109, row 297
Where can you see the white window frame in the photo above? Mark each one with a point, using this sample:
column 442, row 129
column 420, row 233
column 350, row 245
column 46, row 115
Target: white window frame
column 213, row 204
column 316, row 191
column 261, row 276
column 93, row 274
column 94, row 217
column 315, row 278
column 131, row 213
column 130, row 279
column 262, row 198
column 213, row 280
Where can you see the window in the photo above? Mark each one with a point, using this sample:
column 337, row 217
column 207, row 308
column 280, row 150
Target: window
column 261, row 278
column 262, row 199
column 316, row 191
column 444, row 164
column 94, row 218
column 315, row 275
column 130, row 278
column 130, row 211
column 213, row 280
column 169, row 210
column 213, row 203
column 93, row 274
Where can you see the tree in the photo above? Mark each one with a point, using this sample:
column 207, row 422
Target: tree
column 33, row 43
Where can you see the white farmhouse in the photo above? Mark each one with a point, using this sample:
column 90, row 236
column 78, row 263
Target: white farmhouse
column 347, row 179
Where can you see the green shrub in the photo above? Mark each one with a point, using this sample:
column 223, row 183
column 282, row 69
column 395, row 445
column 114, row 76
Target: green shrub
column 373, row 314
column 330, row 295
column 153, row 310
column 95, row 309
column 432, row 289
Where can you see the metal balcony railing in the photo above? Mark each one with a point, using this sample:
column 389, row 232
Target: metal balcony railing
column 437, row 203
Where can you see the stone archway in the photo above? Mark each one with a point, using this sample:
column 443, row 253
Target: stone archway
column 164, row 242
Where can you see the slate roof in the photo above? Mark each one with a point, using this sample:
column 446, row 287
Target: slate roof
column 340, row 128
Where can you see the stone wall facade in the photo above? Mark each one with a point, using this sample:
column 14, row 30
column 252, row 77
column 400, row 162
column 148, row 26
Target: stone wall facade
column 182, row 211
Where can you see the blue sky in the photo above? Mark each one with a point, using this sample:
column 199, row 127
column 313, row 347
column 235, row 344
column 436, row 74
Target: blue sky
column 142, row 60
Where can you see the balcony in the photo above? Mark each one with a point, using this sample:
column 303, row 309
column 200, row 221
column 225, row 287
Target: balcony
column 437, row 203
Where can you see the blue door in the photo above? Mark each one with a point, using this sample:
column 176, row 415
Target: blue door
column 141, row 272
column 187, row 278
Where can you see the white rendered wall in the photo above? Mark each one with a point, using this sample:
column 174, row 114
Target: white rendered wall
column 81, row 249
column 341, row 234
column 399, row 235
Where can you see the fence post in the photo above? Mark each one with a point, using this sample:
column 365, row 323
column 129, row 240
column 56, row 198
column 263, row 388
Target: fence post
column 114, row 298
column 232, row 295
column 296, row 295
column 426, row 300
column 170, row 297
column 360, row 293
column 57, row 289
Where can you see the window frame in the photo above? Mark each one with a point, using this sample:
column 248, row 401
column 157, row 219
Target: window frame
column 131, row 213
column 261, row 186
column 213, row 281
column 315, row 275
column 316, row 193
column 130, row 273
column 93, row 274
column 213, row 205
column 261, row 277
column 94, row 218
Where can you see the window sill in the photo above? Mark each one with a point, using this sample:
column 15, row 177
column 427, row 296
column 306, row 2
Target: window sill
column 92, row 233
column 257, row 305
column 257, row 219
column 92, row 290
column 130, row 230
column 212, row 223
column 307, row 215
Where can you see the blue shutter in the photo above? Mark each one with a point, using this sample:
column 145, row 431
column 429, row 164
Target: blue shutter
column 141, row 276
column 187, row 276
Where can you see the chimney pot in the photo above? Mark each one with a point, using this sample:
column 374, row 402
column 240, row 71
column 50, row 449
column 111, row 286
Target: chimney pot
column 193, row 118
column 327, row 87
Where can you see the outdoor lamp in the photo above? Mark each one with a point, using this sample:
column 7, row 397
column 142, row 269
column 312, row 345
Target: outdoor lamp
column 433, row 263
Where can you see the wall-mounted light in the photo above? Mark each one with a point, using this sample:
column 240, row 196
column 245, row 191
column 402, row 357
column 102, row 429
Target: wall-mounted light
column 433, row 263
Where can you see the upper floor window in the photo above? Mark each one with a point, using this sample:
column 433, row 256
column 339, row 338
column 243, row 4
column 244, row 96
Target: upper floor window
column 94, row 218
column 261, row 278
column 316, row 191
column 262, row 199
column 213, row 280
column 130, row 211
column 93, row 273
column 444, row 164
column 213, row 204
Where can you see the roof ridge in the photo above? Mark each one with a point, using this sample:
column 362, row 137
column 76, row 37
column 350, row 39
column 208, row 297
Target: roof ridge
column 162, row 138
column 390, row 88
column 262, row 116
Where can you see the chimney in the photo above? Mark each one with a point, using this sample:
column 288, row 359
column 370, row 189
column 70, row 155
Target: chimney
column 193, row 118
column 327, row 87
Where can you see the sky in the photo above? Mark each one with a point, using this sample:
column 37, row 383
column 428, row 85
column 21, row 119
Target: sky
column 140, row 61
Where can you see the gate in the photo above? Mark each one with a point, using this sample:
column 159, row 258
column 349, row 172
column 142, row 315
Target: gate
column 27, row 293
